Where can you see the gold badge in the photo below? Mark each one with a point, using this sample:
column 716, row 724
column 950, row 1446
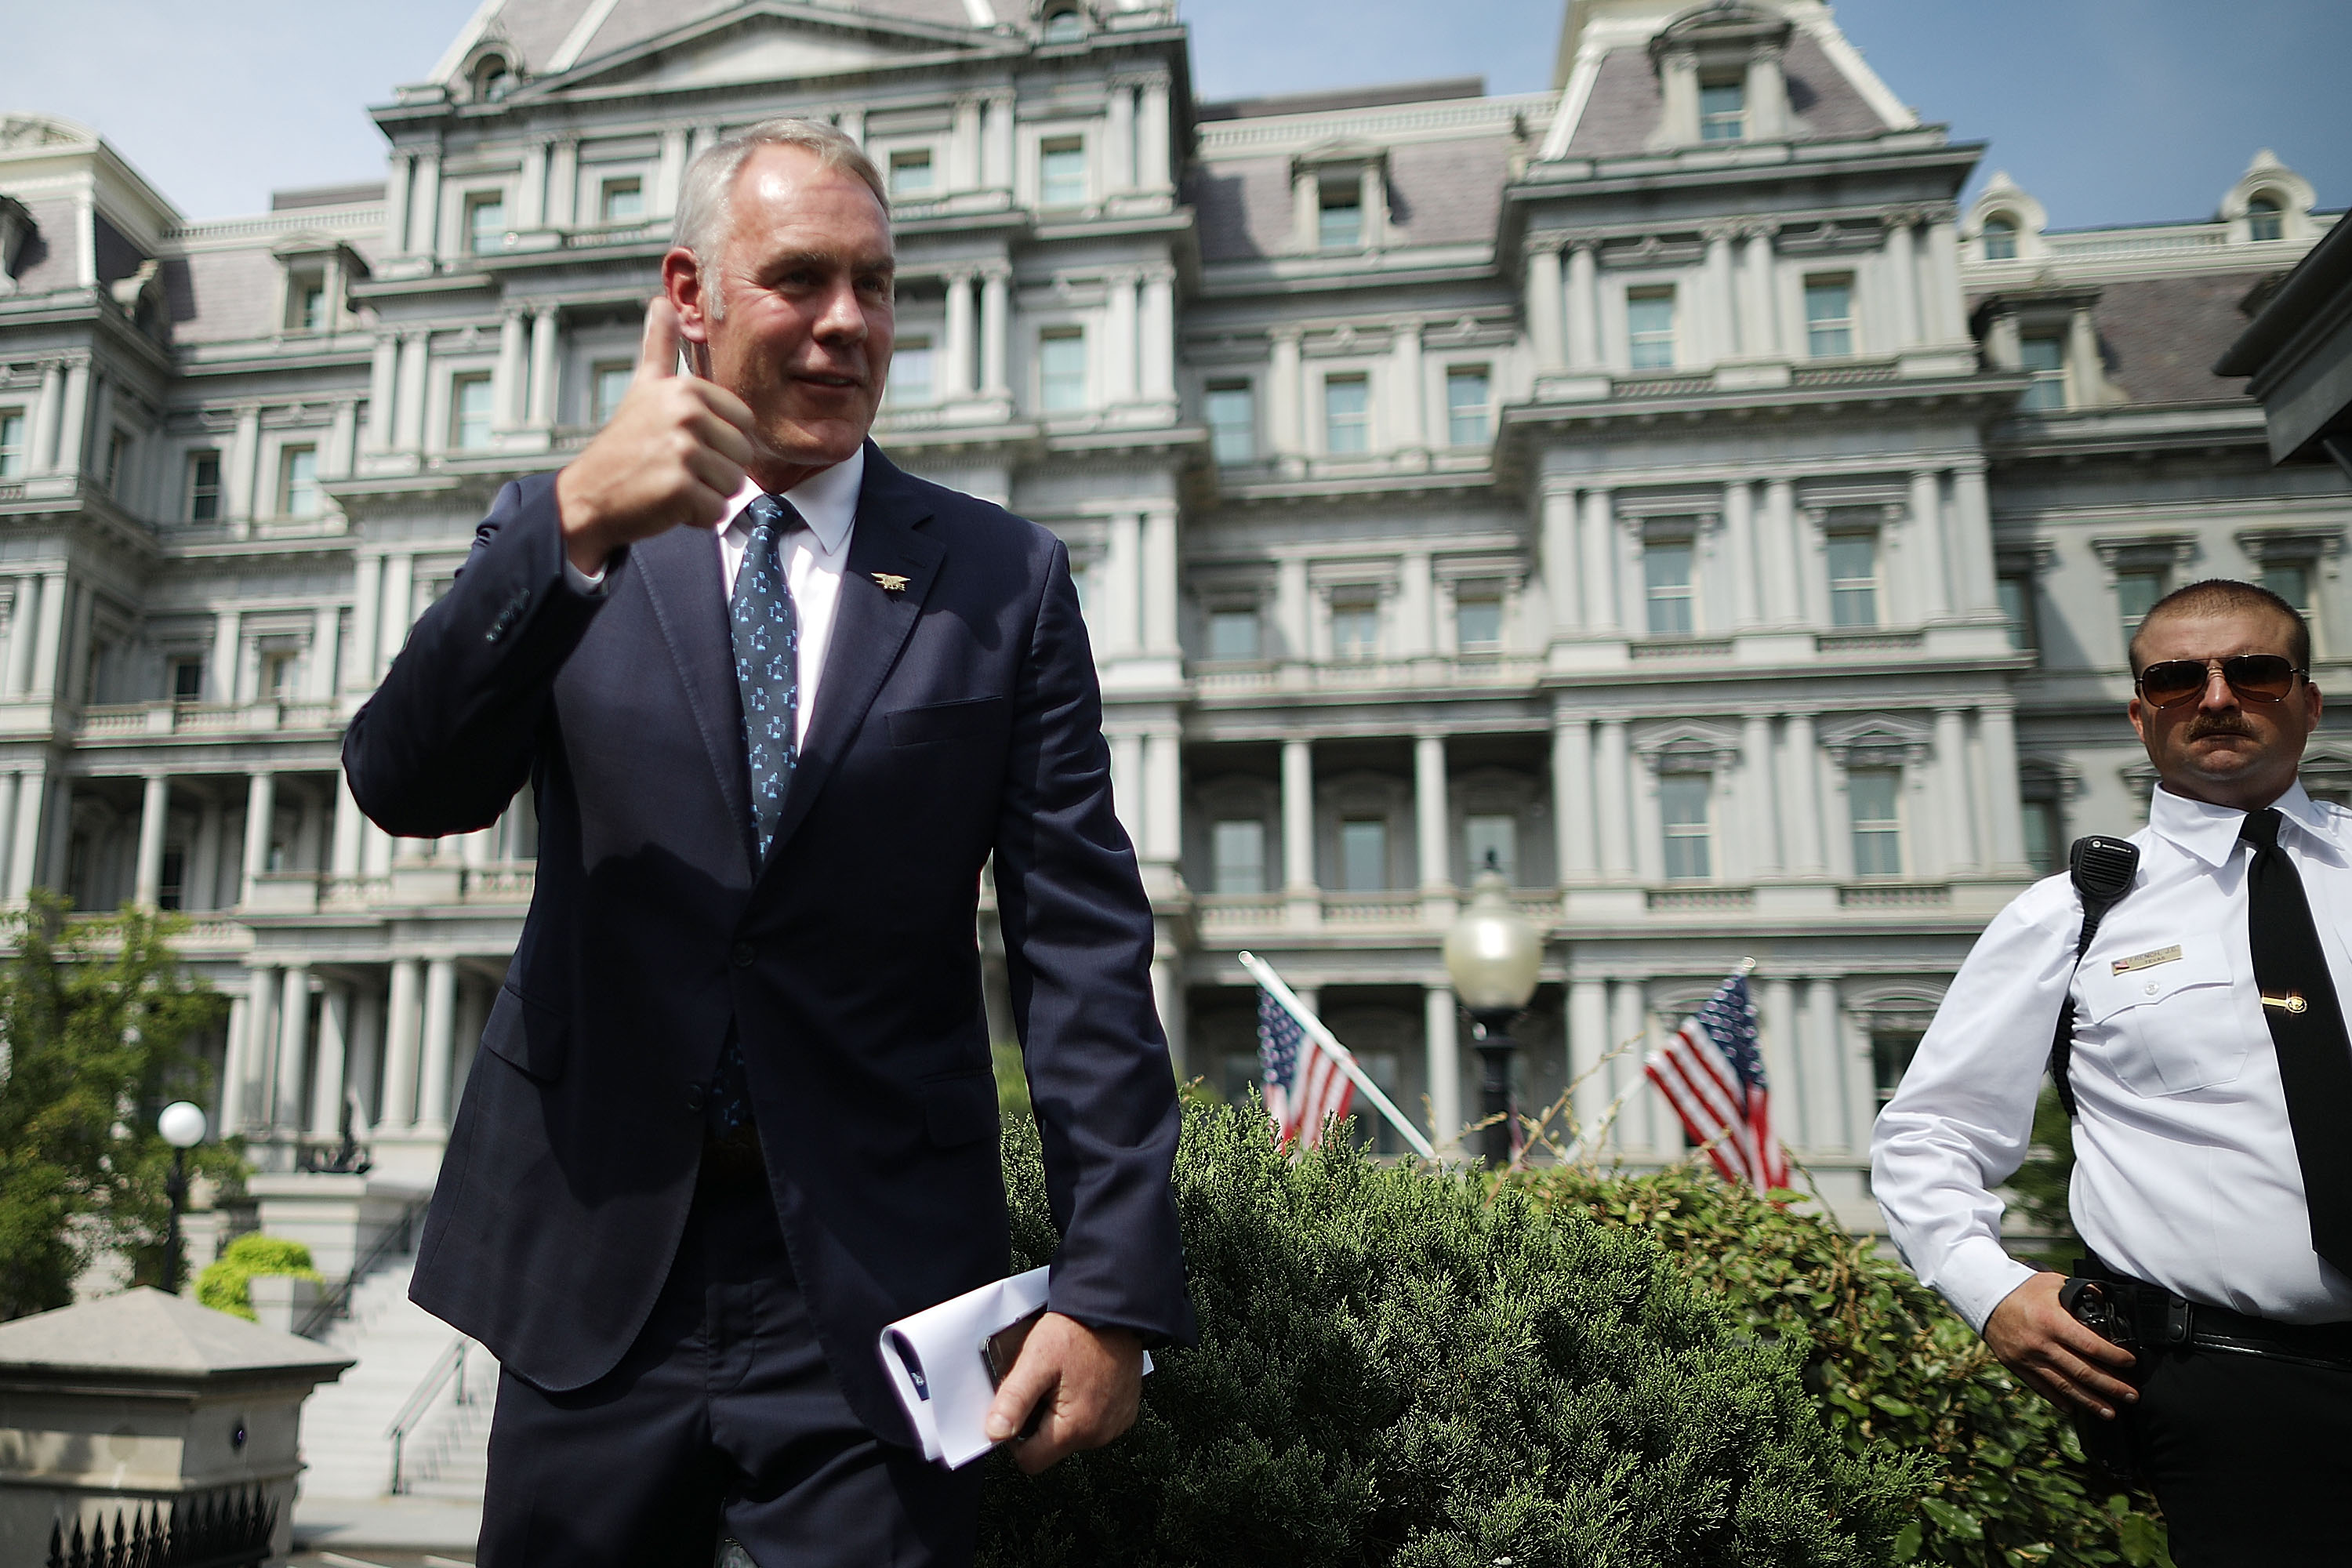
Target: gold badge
column 2147, row 960
column 891, row 582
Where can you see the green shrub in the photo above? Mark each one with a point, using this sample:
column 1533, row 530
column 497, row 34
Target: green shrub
column 1890, row 1364
column 224, row 1286
column 1398, row 1367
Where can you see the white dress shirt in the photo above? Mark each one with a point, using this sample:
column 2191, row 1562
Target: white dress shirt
column 813, row 558
column 2185, row 1169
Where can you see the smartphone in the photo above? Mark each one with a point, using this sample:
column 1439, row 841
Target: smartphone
column 1000, row 1350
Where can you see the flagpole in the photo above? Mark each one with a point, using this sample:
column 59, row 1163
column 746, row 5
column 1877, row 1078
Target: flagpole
column 1263, row 973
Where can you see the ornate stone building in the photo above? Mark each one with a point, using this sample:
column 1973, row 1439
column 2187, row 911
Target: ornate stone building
column 1658, row 484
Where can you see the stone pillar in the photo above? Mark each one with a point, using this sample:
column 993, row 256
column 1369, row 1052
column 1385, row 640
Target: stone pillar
column 367, row 610
column 1162, row 580
column 1833, row 1129
column 383, row 392
column 1801, row 814
column 1629, row 1027
column 25, row 835
column 364, row 1059
column 1584, row 307
column 1119, row 332
column 1613, row 781
column 343, row 852
column 293, row 1046
column 1955, row 816
column 400, row 1045
column 399, row 591
column 996, row 143
column 1777, row 543
column 1932, row 576
column 260, row 807
column 202, row 879
column 1972, row 536
column 241, row 498
column 326, row 642
column 1432, row 831
column 1722, row 317
column 1558, row 562
column 669, row 173
column 1407, row 426
column 230, row 1111
column 1588, row 1042
column 73, row 421
column 530, row 197
column 1284, row 391
column 1118, row 139
column 956, row 363
column 1999, row 725
column 1739, row 538
column 396, row 209
column 1903, row 281
column 1416, row 606
column 996, row 330
column 1298, row 833
column 1121, row 600
column 50, row 647
column 963, row 145
column 1156, row 330
column 545, row 369
column 1291, row 610
column 408, row 423
column 48, row 408
column 153, row 809
column 1599, row 544
column 1759, row 336
column 1441, row 1055
column 1153, row 168
column 24, row 614
column 1545, row 328
column 1943, row 312
column 1836, row 802
column 326, row 1081
column 563, row 182
column 425, row 205
column 440, row 1017
column 1168, row 997
column 1163, row 788
column 1572, row 796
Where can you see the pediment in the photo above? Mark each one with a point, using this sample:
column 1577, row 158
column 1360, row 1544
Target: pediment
column 765, row 43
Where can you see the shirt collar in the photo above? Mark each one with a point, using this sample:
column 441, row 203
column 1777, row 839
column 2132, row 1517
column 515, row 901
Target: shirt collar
column 2210, row 832
column 826, row 501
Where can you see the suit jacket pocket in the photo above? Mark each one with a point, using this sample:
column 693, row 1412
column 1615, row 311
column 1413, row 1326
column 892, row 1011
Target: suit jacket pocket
column 959, row 1109
column 946, row 721
column 524, row 1033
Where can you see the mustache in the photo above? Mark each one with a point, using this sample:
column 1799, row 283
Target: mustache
column 2199, row 728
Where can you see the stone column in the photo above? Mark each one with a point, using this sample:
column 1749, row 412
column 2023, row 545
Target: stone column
column 425, row 205
column 326, row 642
column 996, row 143
column 25, row 836
column 1723, row 319
column 510, row 390
column 408, row 425
column 1599, row 544
column 1739, row 538
column 1119, row 329
column 48, row 649
column 396, row 210
column 563, row 182
column 1972, row 534
column 1903, row 281
column 399, row 591
column 1629, row 1025
column 996, row 331
column 203, row 890
column 383, row 392
column 1118, row 139
column 1163, row 790
column 1999, row 725
column 1416, row 603
column 24, row 614
column 1834, row 1131
column 260, row 807
column 1613, row 781
column 1121, row 599
column 1407, row 426
column 545, row 371
column 957, row 361
column 1442, row 1056
column 401, row 1023
column 1432, row 831
column 1298, row 834
column 1162, row 580
column 1588, row 1042
column 1545, row 328
column 1284, row 390
column 1572, row 796
column 1786, row 1058
column 1154, row 171
column 1933, row 577
column 1943, row 312
column 440, row 1017
column 1800, row 802
column 73, row 420
column 364, row 1059
column 1584, row 307
column 8, row 783
column 326, row 1081
column 241, row 498
column 293, row 1046
column 1777, row 543
column 367, row 610
column 235, row 1054
column 46, row 409
column 1759, row 336
column 1292, row 612
column 1955, row 816
column 1168, row 997
column 1763, row 822
column 669, row 173
column 153, row 809
column 963, row 146
column 530, row 195
column 1156, row 330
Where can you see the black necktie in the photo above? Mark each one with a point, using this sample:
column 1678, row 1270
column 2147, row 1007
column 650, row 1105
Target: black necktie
column 2307, row 1026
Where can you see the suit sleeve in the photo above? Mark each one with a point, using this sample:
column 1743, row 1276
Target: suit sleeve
column 1078, row 944
column 449, row 735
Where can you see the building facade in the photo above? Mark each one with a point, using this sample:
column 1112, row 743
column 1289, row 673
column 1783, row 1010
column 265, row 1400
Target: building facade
column 1658, row 487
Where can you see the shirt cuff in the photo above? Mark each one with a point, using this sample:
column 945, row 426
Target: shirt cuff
column 584, row 583
column 1978, row 1277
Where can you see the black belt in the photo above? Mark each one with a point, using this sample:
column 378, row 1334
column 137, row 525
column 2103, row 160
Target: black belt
column 2148, row 1317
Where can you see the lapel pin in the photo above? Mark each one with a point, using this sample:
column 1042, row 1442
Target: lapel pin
column 891, row 582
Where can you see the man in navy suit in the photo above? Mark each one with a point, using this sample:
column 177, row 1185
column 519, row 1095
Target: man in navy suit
column 778, row 703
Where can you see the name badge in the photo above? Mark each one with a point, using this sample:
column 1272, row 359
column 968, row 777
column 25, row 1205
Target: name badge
column 2147, row 960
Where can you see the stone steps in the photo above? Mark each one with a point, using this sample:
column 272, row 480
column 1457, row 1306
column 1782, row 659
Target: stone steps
column 397, row 1345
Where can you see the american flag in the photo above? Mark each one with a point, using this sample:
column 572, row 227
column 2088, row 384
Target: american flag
column 1303, row 1085
column 1713, row 1075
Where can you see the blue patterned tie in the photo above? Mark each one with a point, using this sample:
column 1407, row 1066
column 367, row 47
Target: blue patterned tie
column 766, row 635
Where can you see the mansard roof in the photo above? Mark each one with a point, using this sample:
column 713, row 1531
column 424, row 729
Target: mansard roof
column 1624, row 108
column 1438, row 193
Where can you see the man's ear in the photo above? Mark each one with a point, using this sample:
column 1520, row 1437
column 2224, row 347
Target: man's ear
column 684, row 283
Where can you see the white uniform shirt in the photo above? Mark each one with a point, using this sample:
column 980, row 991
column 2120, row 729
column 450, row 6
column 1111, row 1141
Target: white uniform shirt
column 813, row 558
column 2185, row 1172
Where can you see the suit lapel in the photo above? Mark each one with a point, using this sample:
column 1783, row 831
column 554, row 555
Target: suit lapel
column 682, row 579
column 871, row 623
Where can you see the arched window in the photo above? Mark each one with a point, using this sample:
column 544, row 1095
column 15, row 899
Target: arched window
column 2000, row 238
column 1065, row 27
column 491, row 78
column 2264, row 220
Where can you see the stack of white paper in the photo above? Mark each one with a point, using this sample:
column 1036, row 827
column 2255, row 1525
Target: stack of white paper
column 938, row 1362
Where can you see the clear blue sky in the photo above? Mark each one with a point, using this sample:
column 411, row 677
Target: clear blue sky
column 2110, row 111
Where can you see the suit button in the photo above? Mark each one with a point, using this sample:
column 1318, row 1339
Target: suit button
column 740, row 955
column 694, row 1100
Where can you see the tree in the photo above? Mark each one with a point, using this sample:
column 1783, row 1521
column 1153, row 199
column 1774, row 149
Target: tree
column 95, row 1018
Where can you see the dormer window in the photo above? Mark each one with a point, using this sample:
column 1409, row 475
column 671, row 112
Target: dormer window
column 492, row 78
column 1999, row 239
column 305, row 301
column 1723, row 111
column 2266, row 219
column 485, row 223
column 910, row 174
column 1340, row 218
column 623, row 200
column 1066, row 26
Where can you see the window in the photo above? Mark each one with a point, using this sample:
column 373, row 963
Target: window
column 308, row 299
column 1065, row 28
column 298, row 482
column 469, row 413
column 485, row 223
column 1478, row 622
column 1853, row 579
column 118, row 463
column 1233, row 634
column 1339, row 217
column 1650, row 328
column 2136, row 594
column 1062, row 370
column 1682, row 807
column 2016, row 592
column 174, row 878
column 1828, row 317
column 2042, row 835
column 280, row 675
column 914, row 373
column 1722, row 111
column 2000, row 235
column 1232, row 408
column 2264, row 220
column 1238, row 850
column 1667, row 579
column 1875, row 795
column 2044, row 359
column 12, row 442
column 1347, row 414
column 1890, row 1058
column 2291, row 581
column 1355, row 629
column 910, row 173
column 622, row 201
column 1466, row 406
column 1363, row 855
column 186, row 677
column 1491, row 835
column 204, row 487
column 1062, row 173
column 608, row 384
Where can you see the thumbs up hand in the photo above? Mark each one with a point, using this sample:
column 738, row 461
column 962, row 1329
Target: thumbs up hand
column 672, row 454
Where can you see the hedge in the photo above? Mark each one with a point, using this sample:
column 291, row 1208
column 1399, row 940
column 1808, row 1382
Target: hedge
column 224, row 1286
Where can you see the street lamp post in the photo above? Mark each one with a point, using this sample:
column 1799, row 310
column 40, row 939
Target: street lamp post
column 1492, row 955
column 183, row 1127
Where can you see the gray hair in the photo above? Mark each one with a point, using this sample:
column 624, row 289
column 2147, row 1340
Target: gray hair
column 706, row 197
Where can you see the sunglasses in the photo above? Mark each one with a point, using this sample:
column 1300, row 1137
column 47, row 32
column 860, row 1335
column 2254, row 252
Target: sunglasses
column 2254, row 677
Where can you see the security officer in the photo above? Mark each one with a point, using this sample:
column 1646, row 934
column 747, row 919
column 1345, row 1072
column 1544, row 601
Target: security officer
column 2213, row 1150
